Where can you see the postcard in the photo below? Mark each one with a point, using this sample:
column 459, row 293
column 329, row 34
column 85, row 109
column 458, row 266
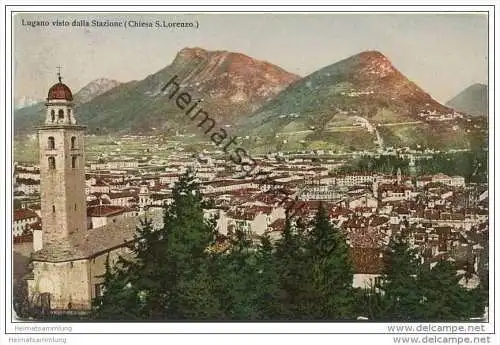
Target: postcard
column 320, row 168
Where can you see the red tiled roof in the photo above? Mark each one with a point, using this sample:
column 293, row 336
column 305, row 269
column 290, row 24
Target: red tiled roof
column 120, row 195
column 105, row 211
column 94, row 202
column 36, row 226
column 101, row 183
column 24, row 213
column 367, row 260
column 363, row 237
column 277, row 225
column 393, row 188
column 335, row 212
column 378, row 220
column 27, row 181
column 225, row 183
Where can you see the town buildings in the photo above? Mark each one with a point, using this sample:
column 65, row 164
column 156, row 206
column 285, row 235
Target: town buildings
column 68, row 257
column 87, row 211
column 24, row 221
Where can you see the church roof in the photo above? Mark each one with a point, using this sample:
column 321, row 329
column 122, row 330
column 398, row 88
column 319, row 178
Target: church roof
column 24, row 213
column 60, row 91
column 93, row 242
column 106, row 210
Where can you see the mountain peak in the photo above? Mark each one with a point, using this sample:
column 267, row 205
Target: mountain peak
column 473, row 100
column 479, row 86
column 95, row 88
column 193, row 52
column 231, row 76
column 374, row 64
column 189, row 53
column 372, row 54
column 362, row 87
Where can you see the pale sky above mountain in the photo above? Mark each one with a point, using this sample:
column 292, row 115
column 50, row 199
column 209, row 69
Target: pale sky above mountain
column 442, row 53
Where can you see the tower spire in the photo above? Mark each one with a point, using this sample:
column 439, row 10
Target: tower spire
column 59, row 73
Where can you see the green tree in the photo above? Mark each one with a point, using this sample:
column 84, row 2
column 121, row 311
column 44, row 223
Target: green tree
column 399, row 284
column 411, row 290
column 169, row 276
column 248, row 280
column 444, row 298
column 237, row 280
column 267, row 287
column 291, row 261
column 371, row 303
column 120, row 300
column 330, row 271
column 186, row 237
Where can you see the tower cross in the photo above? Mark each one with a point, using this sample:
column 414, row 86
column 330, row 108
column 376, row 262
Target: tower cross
column 59, row 72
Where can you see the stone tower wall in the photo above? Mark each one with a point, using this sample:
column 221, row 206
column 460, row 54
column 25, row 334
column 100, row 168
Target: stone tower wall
column 62, row 189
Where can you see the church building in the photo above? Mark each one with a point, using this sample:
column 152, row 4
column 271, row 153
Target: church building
column 68, row 258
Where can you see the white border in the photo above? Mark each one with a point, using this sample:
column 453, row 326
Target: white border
column 222, row 327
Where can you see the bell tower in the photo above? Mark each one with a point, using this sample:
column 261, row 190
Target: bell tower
column 62, row 168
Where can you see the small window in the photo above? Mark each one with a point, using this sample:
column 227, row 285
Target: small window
column 99, row 290
column 73, row 162
column 52, row 163
column 53, row 115
column 73, row 143
column 61, row 114
column 53, row 209
column 75, row 207
column 51, row 143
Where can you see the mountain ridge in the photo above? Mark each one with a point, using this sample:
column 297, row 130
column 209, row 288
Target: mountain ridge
column 360, row 102
column 472, row 100
column 234, row 83
column 95, row 88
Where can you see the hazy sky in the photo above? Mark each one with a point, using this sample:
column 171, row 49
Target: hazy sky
column 442, row 53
